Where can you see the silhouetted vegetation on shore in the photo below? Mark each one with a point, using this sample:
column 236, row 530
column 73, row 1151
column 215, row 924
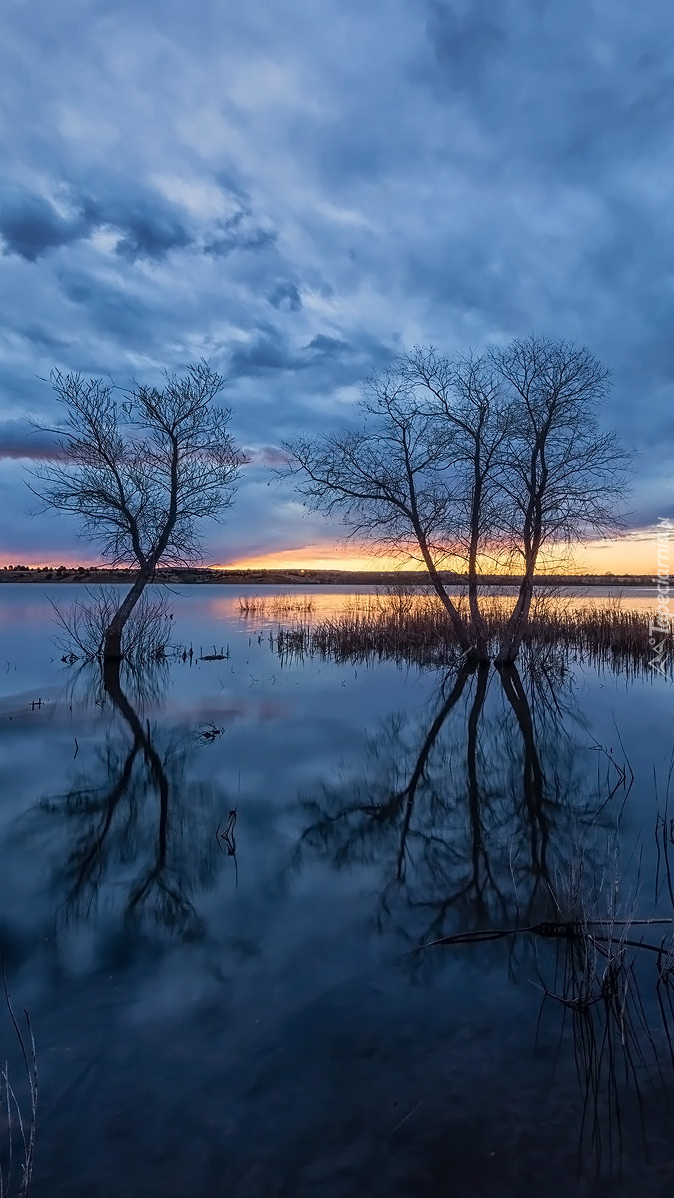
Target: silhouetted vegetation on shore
column 278, row 577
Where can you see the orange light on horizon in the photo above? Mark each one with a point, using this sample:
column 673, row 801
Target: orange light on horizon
column 632, row 554
column 635, row 553
column 318, row 557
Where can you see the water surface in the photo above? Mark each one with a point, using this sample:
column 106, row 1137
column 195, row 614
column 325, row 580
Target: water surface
column 213, row 895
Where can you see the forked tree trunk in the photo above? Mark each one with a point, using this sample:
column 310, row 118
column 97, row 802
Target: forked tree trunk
column 519, row 618
column 112, row 641
column 461, row 632
column 473, row 646
column 458, row 627
column 517, row 624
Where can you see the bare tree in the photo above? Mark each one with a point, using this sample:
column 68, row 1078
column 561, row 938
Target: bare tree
column 468, row 395
column 393, row 480
column 141, row 472
column 562, row 479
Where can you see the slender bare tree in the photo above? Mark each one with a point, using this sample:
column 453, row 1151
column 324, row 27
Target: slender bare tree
column 562, row 478
column 393, row 480
column 468, row 394
column 141, row 472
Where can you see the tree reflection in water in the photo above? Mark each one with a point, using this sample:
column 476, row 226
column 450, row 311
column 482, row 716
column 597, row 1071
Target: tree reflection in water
column 139, row 834
column 488, row 820
column 471, row 816
column 468, row 819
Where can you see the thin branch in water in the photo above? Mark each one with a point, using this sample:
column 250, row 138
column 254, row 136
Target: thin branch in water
column 12, row 1107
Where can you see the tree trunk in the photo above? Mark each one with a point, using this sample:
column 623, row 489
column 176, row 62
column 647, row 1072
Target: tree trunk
column 476, row 620
column 112, row 641
column 461, row 633
column 517, row 624
column 475, row 652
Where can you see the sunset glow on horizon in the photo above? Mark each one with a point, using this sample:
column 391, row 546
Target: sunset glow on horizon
column 634, row 553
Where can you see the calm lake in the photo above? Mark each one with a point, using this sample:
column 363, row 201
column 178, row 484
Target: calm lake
column 214, row 896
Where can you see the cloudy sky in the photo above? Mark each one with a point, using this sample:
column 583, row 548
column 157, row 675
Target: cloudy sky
column 299, row 190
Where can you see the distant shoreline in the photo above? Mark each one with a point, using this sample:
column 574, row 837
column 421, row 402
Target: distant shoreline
column 101, row 575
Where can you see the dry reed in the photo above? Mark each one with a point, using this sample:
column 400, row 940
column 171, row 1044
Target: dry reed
column 146, row 635
column 262, row 607
column 413, row 629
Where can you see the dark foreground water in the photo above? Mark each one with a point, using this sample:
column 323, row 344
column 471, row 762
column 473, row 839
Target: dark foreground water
column 212, row 897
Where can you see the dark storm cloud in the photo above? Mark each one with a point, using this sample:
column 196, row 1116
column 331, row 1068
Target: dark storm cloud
column 285, row 297
column 299, row 201
column 30, row 226
column 145, row 236
column 330, row 347
column 267, row 351
column 270, row 351
column 144, row 224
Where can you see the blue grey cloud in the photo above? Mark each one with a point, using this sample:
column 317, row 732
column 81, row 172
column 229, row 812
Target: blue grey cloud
column 285, row 297
column 142, row 223
column 30, row 226
column 300, row 200
column 232, row 234
column 144, row 236
column 331, row 347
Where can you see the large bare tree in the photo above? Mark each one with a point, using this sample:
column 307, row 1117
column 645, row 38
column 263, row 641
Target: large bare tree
column 498, row 454
column 392, row 480
column 563, row 478
column 141, row 471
